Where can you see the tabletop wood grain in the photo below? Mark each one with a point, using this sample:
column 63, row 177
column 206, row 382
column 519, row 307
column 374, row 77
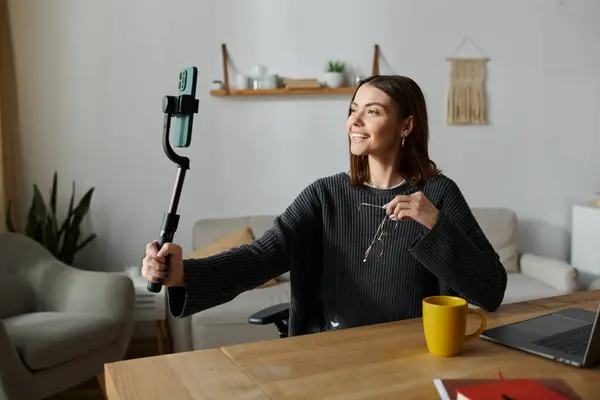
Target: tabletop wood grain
column 391, row 361
column 199, row 375
column 386, row 361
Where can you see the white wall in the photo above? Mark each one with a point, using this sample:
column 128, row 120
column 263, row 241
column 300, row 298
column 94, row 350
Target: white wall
column 91, row 77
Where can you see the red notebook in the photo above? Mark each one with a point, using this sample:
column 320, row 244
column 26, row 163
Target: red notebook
column 512, row 389
column 520, row 389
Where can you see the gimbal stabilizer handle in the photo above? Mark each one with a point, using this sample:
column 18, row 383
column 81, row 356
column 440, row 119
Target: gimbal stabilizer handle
column 173, row 106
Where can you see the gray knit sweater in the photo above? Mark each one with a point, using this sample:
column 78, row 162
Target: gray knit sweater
column 321, row 240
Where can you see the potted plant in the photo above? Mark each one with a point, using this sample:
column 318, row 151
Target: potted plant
column 62, row 240
column 334, row 74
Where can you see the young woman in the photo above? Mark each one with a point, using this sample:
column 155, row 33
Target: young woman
column 363, row 247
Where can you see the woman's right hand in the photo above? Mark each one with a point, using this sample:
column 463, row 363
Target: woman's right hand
column 153, row 265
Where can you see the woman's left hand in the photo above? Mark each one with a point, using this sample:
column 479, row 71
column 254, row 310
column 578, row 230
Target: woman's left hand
column 413, row 206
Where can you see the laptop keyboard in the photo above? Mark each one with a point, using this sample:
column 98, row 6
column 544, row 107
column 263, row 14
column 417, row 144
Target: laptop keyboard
column 571, row 342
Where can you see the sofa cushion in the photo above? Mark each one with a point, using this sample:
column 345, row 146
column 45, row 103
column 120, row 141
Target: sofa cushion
column 235, row 239
column 224, row 243
column 245, row 304
column 522, row 287
column 500, row 227
column 45, row 339
column 227, row 324
column 208, row 230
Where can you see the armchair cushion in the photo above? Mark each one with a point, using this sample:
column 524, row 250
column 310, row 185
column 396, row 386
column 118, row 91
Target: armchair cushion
column 555, row 273
column 46, row 339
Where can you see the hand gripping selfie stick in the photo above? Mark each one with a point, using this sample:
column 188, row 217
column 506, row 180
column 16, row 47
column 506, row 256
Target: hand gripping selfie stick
column 182, row 105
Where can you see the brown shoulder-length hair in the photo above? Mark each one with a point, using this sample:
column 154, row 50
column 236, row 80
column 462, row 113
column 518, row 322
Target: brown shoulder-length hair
column 414, row 162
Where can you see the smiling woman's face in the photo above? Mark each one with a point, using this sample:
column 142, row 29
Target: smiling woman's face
column 373, row 124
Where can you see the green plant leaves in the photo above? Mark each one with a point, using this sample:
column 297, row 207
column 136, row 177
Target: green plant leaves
column 42, row 223
column 335, row 66
column 9, row 222
column 53, row 195
column 36, row 216
column 72, row 230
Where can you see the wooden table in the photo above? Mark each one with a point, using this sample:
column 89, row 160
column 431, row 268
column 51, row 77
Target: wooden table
column 386, row 361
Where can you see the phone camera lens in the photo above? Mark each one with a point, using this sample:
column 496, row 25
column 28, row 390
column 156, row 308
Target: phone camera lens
column 182, row 78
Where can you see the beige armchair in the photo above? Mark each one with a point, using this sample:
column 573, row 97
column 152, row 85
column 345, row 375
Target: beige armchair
column 59, row 325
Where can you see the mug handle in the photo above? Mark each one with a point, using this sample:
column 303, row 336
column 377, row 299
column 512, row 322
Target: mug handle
column 481, row 328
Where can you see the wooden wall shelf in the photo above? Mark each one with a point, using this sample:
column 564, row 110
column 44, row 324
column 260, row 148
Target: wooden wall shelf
column 283, row 91
column 227, row 91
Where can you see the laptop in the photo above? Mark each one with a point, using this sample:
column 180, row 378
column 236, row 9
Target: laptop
column 570, row 336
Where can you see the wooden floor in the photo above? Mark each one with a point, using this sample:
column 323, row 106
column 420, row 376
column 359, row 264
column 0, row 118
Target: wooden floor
column 90, row 389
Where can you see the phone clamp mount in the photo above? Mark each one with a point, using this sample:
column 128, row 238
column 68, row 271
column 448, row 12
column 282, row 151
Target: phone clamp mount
column 182, row 105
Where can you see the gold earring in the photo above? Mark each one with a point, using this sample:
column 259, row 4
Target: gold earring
column 403, row 139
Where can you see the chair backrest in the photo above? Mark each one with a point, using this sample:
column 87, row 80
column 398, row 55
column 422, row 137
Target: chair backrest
column 500, row 227
column 19, row 255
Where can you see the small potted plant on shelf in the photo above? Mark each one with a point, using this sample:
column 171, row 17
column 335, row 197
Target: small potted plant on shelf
column 334, row 74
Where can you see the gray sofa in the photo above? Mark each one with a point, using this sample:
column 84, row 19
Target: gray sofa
column 59, row 325
column 529, row 277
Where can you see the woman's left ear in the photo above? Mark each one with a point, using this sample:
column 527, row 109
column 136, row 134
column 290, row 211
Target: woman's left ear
column 408, row 126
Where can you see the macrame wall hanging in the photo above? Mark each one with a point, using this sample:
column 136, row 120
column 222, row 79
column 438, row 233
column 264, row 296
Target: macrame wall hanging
column 466, row 101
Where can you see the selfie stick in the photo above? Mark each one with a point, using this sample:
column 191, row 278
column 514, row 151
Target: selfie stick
column 182, row 105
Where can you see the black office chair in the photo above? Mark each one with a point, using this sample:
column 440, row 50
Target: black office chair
column 278, row 314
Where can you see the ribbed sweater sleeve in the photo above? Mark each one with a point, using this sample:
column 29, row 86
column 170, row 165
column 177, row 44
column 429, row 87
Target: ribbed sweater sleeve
column 457, row 251
column 219, row 278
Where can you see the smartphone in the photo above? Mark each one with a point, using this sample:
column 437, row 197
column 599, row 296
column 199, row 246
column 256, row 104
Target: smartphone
column 182, row 124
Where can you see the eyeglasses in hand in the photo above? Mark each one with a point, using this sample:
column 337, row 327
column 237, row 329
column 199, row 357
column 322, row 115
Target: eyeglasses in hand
column 377, row 244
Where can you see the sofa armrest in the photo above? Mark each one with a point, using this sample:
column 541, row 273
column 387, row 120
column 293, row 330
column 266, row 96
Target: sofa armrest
column 13, row 374
column 555, row 273
column 60, row 287
column 595, row 285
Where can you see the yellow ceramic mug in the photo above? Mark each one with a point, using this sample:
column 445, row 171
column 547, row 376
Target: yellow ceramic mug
column 445, row 323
